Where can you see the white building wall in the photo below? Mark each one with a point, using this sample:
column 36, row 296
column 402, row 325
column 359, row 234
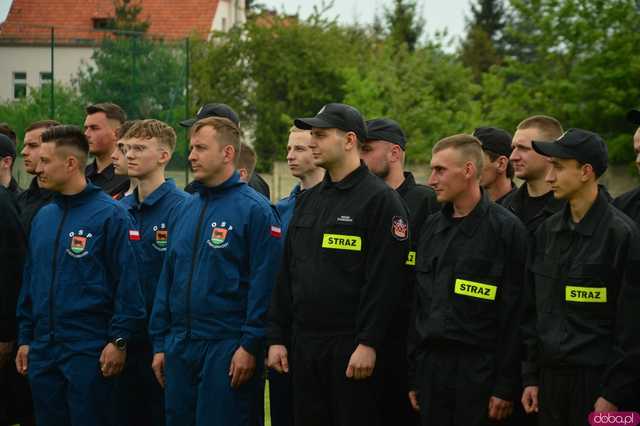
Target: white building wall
column 36, row 59
column 228, row 14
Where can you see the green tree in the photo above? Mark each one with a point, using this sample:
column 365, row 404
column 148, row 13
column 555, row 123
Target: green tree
column 403, row 23
column 272, row 73
column 482, row 46
column 573, row 59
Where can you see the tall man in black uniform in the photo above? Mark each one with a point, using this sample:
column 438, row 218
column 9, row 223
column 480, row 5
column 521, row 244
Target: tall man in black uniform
column 101, row 129
column 384, row 155
column 533, row 202
column 341, row 279
column 470, row 268
column 582, row 319
column 34, row 197
column 629, row 202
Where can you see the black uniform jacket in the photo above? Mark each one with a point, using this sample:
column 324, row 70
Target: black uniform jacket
column 629, row 203
column 107, row 179
column 583, row 297
column 470, row 278
column 515, row 201
column 30, row 201
column 12, row 253
column 343, row 268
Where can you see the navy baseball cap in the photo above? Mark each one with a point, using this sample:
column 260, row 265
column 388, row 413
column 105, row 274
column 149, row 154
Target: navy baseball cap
column 336, row 116
column 7, row 147
column 386, row 129
column 213, row 110
column 633, row 116
column 494, row 139
column 582, row 145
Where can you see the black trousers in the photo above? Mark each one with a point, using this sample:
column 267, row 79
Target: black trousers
column 454, row 386
column 322, row 394
column 566, row 396
column 16, row 405
column 280, row 399
column 394, row 402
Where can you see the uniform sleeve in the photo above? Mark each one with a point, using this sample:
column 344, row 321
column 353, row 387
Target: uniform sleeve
column 385, row 271
column 129, row 307
column 264, row 258
column 280, row 315
column 508, row 351
column 623, row 367
column 530, row 342
column 12, row 253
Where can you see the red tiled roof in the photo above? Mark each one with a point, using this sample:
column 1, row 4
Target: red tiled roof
column 30, row 21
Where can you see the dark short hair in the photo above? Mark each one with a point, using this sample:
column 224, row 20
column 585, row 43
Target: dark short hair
column 42, row 124
column 67, row 136
column 125, row 128
column 8, row 131
column 493, row 156
column 247, row 158
column 111, row 110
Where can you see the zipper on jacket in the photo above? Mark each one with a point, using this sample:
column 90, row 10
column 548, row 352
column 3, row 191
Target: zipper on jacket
column 194, row 256
column 54, row 268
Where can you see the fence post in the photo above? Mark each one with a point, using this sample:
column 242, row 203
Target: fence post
column 52, row 105
column 187, row 102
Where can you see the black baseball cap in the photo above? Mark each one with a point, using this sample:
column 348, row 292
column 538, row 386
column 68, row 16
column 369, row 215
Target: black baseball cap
column 213, row 110
column 336, row 116
column 494, row 139
column 7, row 147
column 577, row 144
column 633, row 116
column 385, row 129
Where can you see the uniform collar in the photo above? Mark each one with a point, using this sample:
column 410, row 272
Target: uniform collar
column 349, row 181
column 552, row 205
column 166, row 187
column 471, row 222
column 107, row 172
column 13, row 186
column 75, row 199
column 295, row 191
column 204, row 191
column 589, row 222
column 408, row 182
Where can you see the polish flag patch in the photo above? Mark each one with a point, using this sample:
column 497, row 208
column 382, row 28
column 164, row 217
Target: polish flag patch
column 276, row 231
column 134, row 235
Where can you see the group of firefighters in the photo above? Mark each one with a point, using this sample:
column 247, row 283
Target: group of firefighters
column 364, row 297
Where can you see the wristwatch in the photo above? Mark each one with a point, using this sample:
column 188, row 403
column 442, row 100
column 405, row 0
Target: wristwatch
column 120, row 343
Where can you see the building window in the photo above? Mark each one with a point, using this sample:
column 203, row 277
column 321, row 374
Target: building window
column 104, row 23
column 19, row 85
column 45, row 78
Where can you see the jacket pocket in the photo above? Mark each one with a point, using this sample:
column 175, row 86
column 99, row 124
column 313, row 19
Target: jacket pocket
column 343, row 246
column 587, row 293
column 476, row 287
column 302, row 237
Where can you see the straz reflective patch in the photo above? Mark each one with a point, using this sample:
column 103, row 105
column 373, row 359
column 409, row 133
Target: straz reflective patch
column 411, row 259
column 586, row 294
column 342, row 242
column 473, row 289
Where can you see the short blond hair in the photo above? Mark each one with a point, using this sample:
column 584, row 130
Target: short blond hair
column 469, row 146
column 227, row 132
column 550, row 127
column 149, row 129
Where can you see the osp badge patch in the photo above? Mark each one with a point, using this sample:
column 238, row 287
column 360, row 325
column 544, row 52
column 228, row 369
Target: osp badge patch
column 78, row 243
column 219, row 235
column 399, row 228
column 161, row 237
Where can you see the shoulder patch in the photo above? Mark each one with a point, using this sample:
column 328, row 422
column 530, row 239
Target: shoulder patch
column 399, row 228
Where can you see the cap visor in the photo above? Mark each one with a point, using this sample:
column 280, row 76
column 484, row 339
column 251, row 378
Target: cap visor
column 189, row 122
column 633, row 116
column 551, row 149
column 309, row 123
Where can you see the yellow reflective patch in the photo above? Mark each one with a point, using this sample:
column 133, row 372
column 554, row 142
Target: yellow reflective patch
column 411, row 259
column 473, row 289
column 342, row 242
column 586, row 294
